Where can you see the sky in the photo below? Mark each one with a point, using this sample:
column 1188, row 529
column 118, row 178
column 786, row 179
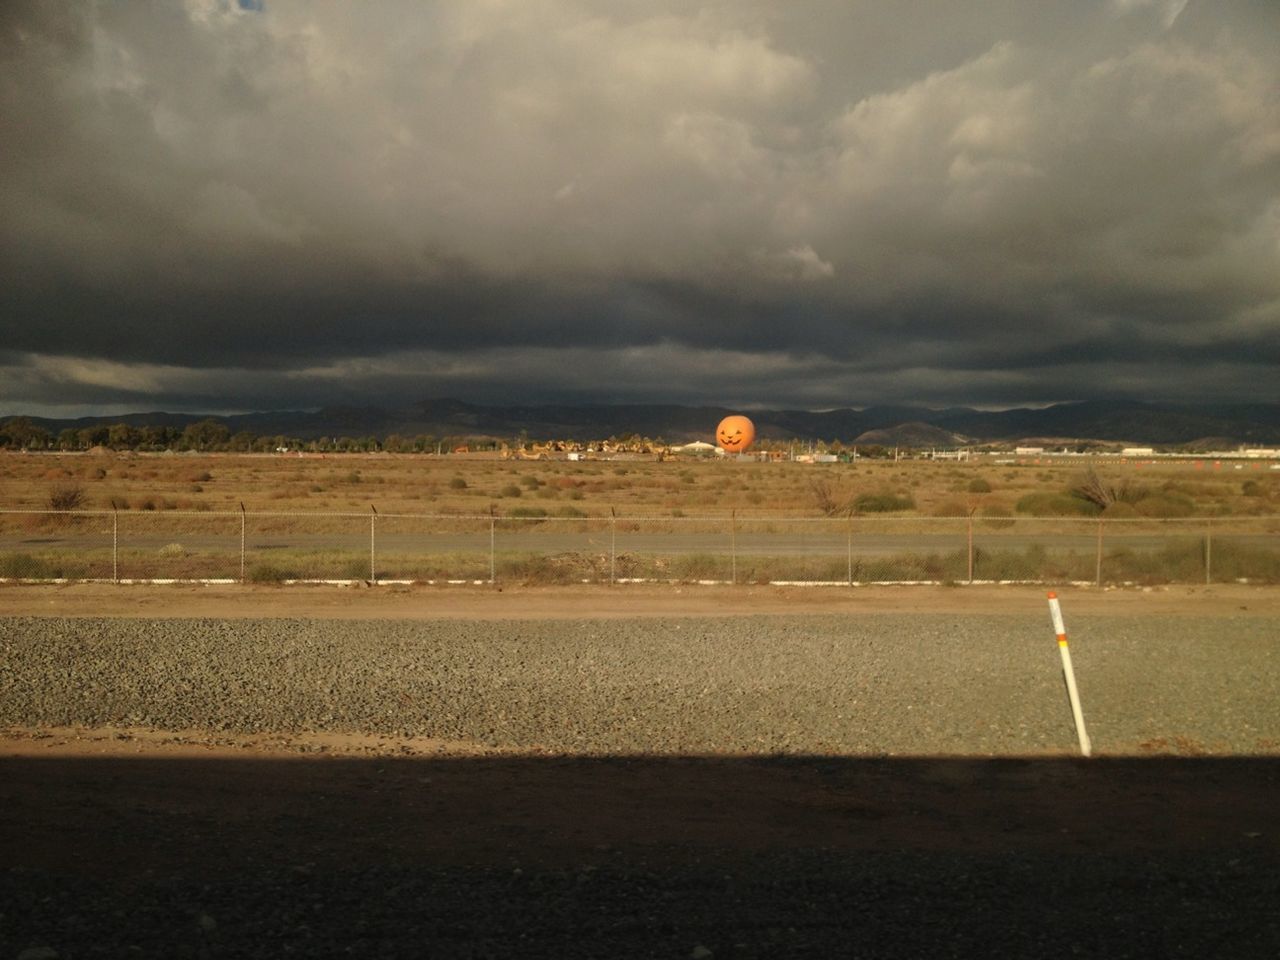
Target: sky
column 220, row 206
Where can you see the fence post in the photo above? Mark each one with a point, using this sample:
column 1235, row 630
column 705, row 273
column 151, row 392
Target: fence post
column 848, row 547
column 613, row 542
column 493, row 540
column 1097, row 575
column 242, row 526
column 115, row 542
column 373, row 544
column 969, row 531
column 1208, row 550
column 733, row 547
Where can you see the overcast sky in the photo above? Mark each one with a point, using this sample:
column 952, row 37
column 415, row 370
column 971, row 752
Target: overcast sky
column 231, row 206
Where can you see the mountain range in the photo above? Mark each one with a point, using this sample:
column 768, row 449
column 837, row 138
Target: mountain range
column 1119, row 421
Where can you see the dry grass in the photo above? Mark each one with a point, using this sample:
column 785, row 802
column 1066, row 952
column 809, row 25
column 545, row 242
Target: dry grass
column 451, row 485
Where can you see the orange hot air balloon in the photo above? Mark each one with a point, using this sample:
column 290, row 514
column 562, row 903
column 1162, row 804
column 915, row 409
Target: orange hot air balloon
column 735, row 434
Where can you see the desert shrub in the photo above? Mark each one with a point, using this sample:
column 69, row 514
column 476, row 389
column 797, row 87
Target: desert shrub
column 542, row 568
column 204, row 476
column 1252, row 488
column 510, row 490
column 828, row 498
column 265, row 572
column 66, row 498
column 1033, row 563
column 1236, row 561
column 996, row 515
column 575, row 494
column 1190, row 488
column 457, row 483
column 979, row 485
column 1056, row 505
column 950, row 508
column 698, row 566
column 354, row 568
column 23, row 566
column 172, row 550
column 1164, row 505
column 882, row 503
column 530, row 481
column 1179, row 561
column 1102, row 493
column 527, row 513
column 572, row 512
column 1030, row 564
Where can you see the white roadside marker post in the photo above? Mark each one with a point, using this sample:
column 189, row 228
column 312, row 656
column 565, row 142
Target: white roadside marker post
column 1055, row 611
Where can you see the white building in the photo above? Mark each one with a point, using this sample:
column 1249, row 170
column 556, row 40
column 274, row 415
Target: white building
column 699, row 448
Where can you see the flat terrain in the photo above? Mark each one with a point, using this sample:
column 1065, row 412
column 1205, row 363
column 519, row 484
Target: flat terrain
column 423, row 484
column 627, row 601
column 676, row 772
column 272, row 518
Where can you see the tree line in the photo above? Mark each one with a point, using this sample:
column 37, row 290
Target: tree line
column 212, row 436
column 208, row 435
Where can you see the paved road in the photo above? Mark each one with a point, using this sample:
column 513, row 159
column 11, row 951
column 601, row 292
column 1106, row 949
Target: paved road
column 669, row 544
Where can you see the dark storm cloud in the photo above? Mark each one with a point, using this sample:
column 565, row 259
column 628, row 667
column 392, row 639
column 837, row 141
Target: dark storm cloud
column 234, row 205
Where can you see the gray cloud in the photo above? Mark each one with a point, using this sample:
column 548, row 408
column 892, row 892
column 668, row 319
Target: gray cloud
column 827, row 203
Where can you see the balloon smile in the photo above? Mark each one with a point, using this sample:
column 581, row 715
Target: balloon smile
column 735, row 434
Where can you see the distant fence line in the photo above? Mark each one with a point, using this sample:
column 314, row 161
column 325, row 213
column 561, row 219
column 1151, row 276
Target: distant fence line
column 280, row 546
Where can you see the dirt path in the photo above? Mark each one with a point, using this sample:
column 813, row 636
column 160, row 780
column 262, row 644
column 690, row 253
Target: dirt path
column 623, row 601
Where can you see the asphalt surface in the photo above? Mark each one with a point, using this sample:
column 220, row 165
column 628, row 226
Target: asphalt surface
column 814, row 543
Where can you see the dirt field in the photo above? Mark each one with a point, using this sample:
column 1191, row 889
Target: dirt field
column 401, row 483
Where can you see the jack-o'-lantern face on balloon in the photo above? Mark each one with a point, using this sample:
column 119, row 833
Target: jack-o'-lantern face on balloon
column 735, row 434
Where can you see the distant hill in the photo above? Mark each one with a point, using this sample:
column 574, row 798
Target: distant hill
column 1125, row 422
column 910, row 434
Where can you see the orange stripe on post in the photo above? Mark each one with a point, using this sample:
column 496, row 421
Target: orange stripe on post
column 1068, row 673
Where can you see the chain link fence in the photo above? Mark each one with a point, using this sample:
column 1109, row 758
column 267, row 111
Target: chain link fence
column 245, row 546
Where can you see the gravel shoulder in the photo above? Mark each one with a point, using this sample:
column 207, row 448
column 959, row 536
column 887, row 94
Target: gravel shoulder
column 917, row 684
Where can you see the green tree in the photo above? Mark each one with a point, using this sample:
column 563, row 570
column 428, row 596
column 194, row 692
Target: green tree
column 207, row 434
column 22, row 433
column 96, row 436
column 158, row 436
column 242, row 441
column 121, row 436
